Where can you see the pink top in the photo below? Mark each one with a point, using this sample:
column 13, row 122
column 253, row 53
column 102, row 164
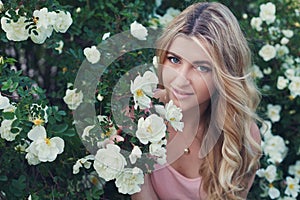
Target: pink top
column 169, row 184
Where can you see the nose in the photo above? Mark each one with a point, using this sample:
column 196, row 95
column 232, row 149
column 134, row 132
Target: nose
column 183, row 74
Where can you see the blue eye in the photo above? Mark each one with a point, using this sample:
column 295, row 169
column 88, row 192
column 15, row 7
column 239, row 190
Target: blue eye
column 203, row 69
column 173, row 59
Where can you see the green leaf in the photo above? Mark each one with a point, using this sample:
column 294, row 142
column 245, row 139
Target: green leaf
column 60, row 128
column 8, row 115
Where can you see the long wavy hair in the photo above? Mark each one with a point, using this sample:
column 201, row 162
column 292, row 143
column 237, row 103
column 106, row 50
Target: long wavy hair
column 235, row 156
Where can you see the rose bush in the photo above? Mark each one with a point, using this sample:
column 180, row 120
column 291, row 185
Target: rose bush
column 43, row 44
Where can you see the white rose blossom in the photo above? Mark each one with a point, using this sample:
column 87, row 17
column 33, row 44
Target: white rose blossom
column 273, row 192
column 269, row 173
column 63, row 21
column 73, row 99
column 83, row 162
column 109, row 162
column 273, row 112
column 44, row 148
column 267, row 12
column 130, row 180
column 256, row 23
column 152, row 129
column 295, row 169
column 92, row 54
column 174, row 116
column 282, row 83
column 256, row 72
column 284, row 41
column 138, row 31
column 142, row 88
column 294, row 86
column 281, row 50
column 293, row 187
column 159, row 151
column 288, row 33
column 5, row 130
column 135, row 154
column 267, row 52
column 274, row 147
column 4, row 102
column 15, row 31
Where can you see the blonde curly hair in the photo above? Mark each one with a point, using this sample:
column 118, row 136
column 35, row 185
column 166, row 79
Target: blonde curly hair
column 235, row 156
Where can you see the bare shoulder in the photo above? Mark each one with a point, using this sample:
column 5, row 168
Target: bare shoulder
column 255, row 132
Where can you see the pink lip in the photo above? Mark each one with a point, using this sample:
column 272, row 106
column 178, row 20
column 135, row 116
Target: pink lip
column 180, row 94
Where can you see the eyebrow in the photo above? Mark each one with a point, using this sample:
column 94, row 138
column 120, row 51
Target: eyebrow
column 198, row 62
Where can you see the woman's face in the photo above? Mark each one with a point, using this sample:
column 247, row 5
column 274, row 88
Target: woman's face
column 187, row 74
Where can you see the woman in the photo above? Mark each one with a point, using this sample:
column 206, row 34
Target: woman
column 204, row 69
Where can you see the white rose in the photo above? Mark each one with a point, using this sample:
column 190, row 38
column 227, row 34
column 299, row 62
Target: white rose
column 273, row 112
column 135, row 154
column 151, row 129
column 290, row 73
column 273, row 192
column 92, row 54
column 293, row 187
column 288, row 33
column 295, row 169
column 275, row 148
column 142, row 87
column 63, row 21
column 256, row 23
column 160, row 152
column 109, row 162
column 73, row 99
column 281, row 50
column 294, row 86
column 282, row 82
column 256, row 72
column 4, row 102
column 269, row 173
column 46, row 149
column 284, row 41
column 130, row 181
column 43, row 18
column 267, row 12
column 5, row 130
column 15, row 31
column 138, row 31
column 174, row 116
column 83, row 162
column 267, row 52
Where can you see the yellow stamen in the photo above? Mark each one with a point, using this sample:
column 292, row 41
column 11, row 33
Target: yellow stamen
column 149, row 129
column 47, row 140
column 35, row 20
column 291, row 186
column 172, row 119
column 65, row 69
column 139, row 93
column 38, row 122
